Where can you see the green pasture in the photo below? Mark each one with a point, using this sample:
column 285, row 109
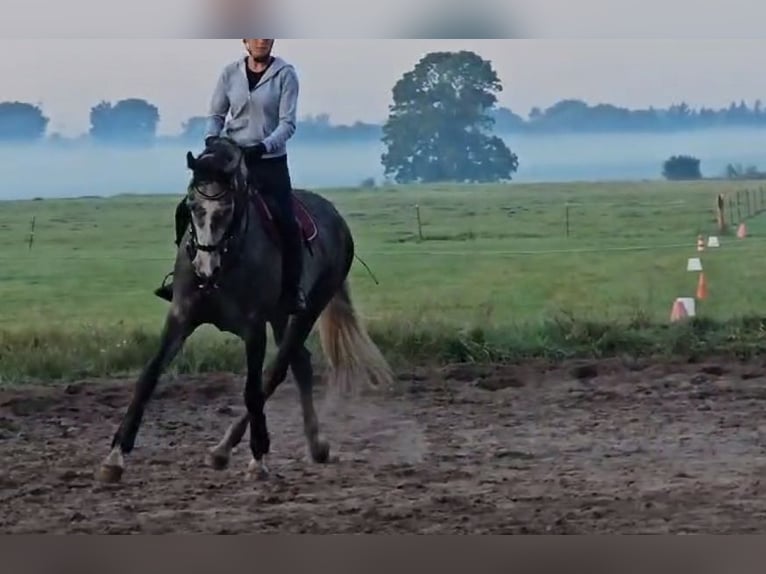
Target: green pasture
column 493, row 272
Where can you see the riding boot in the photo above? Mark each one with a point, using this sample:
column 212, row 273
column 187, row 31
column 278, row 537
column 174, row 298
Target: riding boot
column 182, row 219
column 293, row 298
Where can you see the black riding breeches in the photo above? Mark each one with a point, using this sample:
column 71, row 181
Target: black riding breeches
column 271, row 177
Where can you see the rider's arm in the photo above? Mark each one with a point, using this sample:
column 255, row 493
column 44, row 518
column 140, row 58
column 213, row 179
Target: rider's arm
column 219, row 107
column 288, row 102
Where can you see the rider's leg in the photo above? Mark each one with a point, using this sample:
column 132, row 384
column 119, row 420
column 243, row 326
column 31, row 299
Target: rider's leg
column 182, row 219
column 272, row 177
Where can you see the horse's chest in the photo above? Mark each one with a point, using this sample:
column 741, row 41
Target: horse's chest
column 229, row 313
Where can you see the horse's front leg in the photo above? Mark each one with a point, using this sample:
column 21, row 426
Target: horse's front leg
column 255, row 400
column 219, row 456
column 175, row 332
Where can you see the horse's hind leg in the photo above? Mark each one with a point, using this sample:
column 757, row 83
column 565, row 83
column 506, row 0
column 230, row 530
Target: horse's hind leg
column 304, row 377
column 174, row 333
column 295, row 336
column 219, row 456
column 303, row 371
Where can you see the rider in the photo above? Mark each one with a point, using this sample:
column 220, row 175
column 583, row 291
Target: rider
column 261, row 92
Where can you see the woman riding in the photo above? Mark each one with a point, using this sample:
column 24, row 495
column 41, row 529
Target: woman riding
column 259, row 93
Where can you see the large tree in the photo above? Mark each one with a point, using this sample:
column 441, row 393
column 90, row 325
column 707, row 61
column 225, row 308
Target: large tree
column 440, row 123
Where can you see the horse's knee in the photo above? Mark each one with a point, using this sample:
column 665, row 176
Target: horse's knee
column 259, row 434
column 254, row 399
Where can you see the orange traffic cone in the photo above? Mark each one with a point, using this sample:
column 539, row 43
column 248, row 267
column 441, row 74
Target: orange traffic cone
column 678, row 312
column 702, row 287
column 742, row 231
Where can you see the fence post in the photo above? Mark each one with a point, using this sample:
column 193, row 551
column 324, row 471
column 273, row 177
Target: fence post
column 739, row 206
column 420, row 225
column 31, row 233
column 721, row 215
column 566, row 218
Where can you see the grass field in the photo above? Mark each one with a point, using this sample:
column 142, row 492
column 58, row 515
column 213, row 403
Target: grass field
column 498, row 274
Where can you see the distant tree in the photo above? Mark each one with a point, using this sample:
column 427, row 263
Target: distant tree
column 681, row 167
column 319, row 129
column 20, row 121
column 507, row 121
column 193, row 129
column 439, row 124
column 738, row 171
column 734, row 171
column 128, row 121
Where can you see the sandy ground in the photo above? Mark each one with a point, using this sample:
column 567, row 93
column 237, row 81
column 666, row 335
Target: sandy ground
column 580, row 448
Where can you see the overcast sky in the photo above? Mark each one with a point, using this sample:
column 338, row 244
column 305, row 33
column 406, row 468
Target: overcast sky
column 352, row 79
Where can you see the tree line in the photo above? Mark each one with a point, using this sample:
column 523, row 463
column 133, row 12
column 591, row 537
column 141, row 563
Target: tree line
column 135, row 120
column 442, row 126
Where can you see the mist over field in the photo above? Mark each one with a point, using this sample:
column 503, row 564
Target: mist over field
column 51, row 170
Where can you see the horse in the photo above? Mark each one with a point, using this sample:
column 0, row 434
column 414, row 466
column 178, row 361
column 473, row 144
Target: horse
column 227, row 273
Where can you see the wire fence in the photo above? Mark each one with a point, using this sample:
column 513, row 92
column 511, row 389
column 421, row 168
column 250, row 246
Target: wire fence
column 738, row 206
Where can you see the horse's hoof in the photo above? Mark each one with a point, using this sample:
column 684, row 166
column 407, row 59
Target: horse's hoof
column 320, row 452
column 110, row 474
column 258, row 470
column 216, row 460
column 112, row 468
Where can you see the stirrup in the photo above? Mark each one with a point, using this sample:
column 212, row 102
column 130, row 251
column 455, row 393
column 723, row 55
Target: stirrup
column 164, row 291
column 162, row 286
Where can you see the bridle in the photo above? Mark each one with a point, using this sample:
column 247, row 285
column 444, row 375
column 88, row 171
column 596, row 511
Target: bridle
column 229, row 245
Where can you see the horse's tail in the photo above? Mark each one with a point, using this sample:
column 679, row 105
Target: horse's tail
column 355, row 362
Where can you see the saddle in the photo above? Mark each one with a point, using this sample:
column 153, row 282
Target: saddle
column 306, row 223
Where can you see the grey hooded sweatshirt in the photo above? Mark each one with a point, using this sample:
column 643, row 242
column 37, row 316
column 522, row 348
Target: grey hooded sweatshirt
column 267, row 114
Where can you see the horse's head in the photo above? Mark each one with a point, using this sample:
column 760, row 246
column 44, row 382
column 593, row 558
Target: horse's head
column 215, row 193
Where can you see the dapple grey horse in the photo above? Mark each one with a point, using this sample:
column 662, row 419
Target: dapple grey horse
column 227, row 273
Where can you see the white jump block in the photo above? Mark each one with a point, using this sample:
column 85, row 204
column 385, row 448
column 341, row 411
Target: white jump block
column 690, row 305
column 694, row 264
column 712, row 241
column 683, row 308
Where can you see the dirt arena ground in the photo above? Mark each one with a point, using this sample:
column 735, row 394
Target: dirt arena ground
column 580, row 448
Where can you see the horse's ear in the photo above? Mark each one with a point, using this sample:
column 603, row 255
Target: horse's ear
column 190, row 161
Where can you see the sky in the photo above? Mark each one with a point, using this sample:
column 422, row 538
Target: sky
column 352, row 79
